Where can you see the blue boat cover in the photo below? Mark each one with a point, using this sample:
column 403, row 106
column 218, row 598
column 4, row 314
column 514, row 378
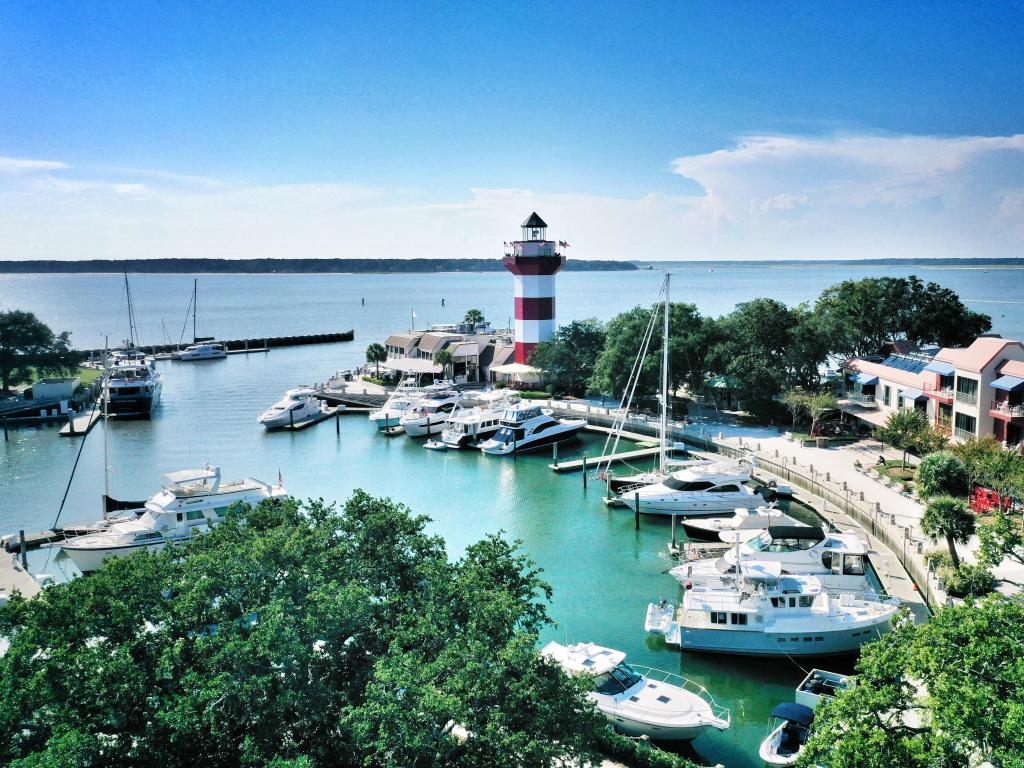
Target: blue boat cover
column 1008, row 383
column 912, row 394
column 940, row 367
column 865, row 378
column 796, row 713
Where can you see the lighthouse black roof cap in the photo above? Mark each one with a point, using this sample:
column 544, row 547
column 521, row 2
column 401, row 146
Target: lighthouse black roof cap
column 534, row 221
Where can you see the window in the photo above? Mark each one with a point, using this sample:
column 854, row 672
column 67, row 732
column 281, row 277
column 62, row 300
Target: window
column 151, row 536
column 738, row 618
column 777, row 603
column 806, row 601
column 792, row 602
column 853, row 565
column 964, row 426
column 195, row 514
column 726, row 489
column 967, row 390
column 826, row 560
column 899, row 399
column 681, row 485
column 886, row 395
column 620, row 679
column 718, row 617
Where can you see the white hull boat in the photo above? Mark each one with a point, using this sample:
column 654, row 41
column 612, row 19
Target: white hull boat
column 204, row 351
column 524, row 429
column 785, row 742
column 132, row 388
column 744, row 524
column 702, row 489
column 429, row 415
column 190, row 503
column 296, row 406
column 468, row 427
column 640, row 701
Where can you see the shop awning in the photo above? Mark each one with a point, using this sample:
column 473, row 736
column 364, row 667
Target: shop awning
column 940, row 367
column 1008, row 383
column 912, row 394
column 865, row 379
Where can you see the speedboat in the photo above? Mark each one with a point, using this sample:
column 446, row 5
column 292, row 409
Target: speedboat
column 297, row 405
column 427, row 416
column 640, row 701
column 743, row 525
column 838, row 560
column 474, row 425
column 523, row 428
column 132, row 387
column 207, row 350
column 191, row 501
column 790, row 726
column 702, row 489
column 760, row 612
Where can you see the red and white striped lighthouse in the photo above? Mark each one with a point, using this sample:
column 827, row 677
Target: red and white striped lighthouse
column 534, row 261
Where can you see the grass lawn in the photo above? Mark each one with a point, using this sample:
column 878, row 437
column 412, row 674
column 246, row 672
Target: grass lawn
column 88, row 375
column 894, row 470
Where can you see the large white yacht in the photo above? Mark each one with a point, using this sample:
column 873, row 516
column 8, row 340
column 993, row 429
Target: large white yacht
column 191, row 501
column 401, row 400
column 702, row 489
column 297, row 405
column 742, row 525
column 206, row 350
column 640, row 701
column 132, row 386
column 468, row 426
column 427, row 416
column 838, row 560
column 761, row 612
column 523, row 428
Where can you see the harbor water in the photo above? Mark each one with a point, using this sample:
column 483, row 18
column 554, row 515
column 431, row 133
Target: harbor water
column 603, row 571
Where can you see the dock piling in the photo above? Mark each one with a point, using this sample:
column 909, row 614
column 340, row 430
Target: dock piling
column 584, row 472
column 291, row 419
column 673, row 532
column 636, row 509
column 337, row 422
column 71, row 421
column 22, row 549
column 554, row 452
column 6, row 436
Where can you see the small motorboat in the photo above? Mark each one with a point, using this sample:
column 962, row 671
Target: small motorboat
column 790, row 726
column 641, row 701
column 435, row 445
column 743, row 525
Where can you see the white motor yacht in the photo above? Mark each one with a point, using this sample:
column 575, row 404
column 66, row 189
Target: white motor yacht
column 402, row 399
column 702, row 489
column 207, row 350
column 473, row 425
column 838, row 560
column 296, row 406
column 760, row 612
column 132, row 387
column 427, row 416
column 523, row 428
column 742, row 525
column 191, row 501
column 789, row 728
column 640, row 701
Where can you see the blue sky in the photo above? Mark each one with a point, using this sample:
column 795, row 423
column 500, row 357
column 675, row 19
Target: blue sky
column 677, row 130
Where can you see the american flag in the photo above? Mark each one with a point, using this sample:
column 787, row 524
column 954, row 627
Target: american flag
column 563, row 244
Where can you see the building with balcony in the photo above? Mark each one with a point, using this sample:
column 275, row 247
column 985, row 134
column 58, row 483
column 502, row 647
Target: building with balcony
column 966, row 392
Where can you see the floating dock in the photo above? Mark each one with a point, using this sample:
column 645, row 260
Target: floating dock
column 80, row 425
column 576, row 464
column 14, row 578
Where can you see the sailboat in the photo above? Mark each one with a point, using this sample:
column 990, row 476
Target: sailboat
column 132, row 384
column 200, row 349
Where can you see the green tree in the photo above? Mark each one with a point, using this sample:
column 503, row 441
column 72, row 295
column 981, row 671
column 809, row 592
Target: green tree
column 570, row 356
column 28, row 348
column 474, row 317
column 445, row 360
column 819, row 406
column 1003, row 539
column 904, row 430
column 942, row 474
column 796, row 401
column 376, row 354
column 946, row 693
column 950, row 519
column 309, row 636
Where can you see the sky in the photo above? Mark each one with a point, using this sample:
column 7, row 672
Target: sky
column 652, row 131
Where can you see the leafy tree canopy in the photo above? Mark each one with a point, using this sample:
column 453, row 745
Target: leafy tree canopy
column 569, row 357
column 310, row 637
column 905, row 430
column 950, row 519
column 28, row 347
column 942, row 474
column 948, row 693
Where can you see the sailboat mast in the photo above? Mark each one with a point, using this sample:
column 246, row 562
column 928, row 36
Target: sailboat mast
column 195, row 306
column 106, row 433
column 664, row 381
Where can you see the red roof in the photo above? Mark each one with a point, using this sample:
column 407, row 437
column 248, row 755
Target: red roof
column 896, row 375
column 976, row 357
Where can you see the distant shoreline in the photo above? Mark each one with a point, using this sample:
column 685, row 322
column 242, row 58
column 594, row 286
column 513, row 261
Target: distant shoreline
column 286, row 266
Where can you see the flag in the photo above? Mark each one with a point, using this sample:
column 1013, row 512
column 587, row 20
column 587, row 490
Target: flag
column 414, row 313
column 280, row 480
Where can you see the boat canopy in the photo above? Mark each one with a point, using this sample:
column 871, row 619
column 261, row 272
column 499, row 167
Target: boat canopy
column 796, row 532
column 586, row 658
column 795, row 713
column 1008, row 383
column 185, row 477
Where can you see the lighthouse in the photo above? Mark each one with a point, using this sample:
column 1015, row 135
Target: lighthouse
column 534, row 261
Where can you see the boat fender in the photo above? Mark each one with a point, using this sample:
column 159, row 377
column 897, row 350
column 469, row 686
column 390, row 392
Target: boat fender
column 689, row 584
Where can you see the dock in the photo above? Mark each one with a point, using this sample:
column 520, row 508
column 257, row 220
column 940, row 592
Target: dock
column 80, row 425
column 13, row 578
column 242, row 346
column 577, row 464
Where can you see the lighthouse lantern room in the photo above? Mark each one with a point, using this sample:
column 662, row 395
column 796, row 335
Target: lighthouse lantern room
column 534, row 261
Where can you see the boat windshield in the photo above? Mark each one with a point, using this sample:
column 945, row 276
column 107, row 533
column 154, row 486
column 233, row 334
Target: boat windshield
column 765, row 543
column 617, row 680
column 687, row 485
column 508, row 434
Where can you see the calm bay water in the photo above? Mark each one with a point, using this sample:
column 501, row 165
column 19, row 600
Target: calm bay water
column 604, row 573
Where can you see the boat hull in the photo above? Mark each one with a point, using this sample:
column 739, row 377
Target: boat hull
column 632, row 727
column 283, row 420
column 694, row 507
column 138, row 405
column 424, row 427
column 566, row 432
column 90, row 559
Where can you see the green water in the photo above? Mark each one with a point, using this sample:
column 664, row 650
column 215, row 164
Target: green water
column 603, row 571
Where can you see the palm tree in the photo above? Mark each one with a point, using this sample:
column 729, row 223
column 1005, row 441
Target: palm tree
column 950, row 519
column 444, row 359
column 474, row 317
column 376, row 354
column 904, row 430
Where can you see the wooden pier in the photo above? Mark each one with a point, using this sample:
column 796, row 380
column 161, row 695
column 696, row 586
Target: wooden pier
column 241, row 346
column 80, row 425
column 14, row 578
column 576, row 464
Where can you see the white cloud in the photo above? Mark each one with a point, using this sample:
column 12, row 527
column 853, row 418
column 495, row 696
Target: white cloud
column 842, row 196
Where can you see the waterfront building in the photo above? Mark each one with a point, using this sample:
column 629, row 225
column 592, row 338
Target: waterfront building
column 966, row 392
column 474, row 351
column 534, row 261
